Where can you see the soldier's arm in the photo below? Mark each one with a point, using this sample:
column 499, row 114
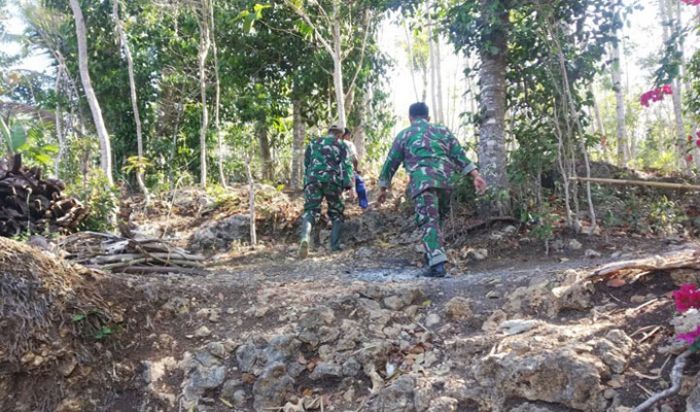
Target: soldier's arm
column 307, row 156
column 348, row 175
column 459, row 157
column 392, row 162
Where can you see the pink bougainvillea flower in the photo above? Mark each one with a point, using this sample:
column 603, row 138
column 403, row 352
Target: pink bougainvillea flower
column 689, row 158
column 698, row 133
column 686, row 297
column 689, row 337
column 697, row 143
column 666, row 89
column 691, row 2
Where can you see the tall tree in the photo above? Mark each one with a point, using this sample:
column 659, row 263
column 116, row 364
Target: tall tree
column 492, row 150
column 203, row 11
column 134, row 97
column 326, row 26
column 105, row 145
column 667, row 18
column 616, row 68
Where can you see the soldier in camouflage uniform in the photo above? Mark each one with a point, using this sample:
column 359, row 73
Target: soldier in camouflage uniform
column 328, row 171
column 431, row 155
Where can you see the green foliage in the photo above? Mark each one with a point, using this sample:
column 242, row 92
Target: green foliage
column 664, row 214
column 543, row 220
column 101, row 200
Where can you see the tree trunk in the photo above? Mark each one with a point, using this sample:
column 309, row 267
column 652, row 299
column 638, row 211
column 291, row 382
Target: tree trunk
column 217, row 100
column 411, row 62
column 622, row 148
column 438, row 75
column 338, row 66
column 492, row 150
column 59, row 129
column 666, row 11
column 431, row 59
column 204, row 45
column 359, row 135
column 251, row 201
column 599, row 126
column 297, row 146
column 265, row 152
column 134, row 99
column 105, row 146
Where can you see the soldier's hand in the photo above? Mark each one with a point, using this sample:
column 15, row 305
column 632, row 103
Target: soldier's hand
column 480, row 184
column 382, row 196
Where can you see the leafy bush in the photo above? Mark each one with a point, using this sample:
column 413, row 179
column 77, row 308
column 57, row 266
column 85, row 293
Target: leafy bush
column 100, row 199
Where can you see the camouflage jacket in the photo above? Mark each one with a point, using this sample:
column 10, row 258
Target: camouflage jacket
column 326, row 160
column 431, row 155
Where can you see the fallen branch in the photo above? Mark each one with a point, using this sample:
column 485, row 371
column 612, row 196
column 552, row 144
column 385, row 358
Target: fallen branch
column 686, row 258
column 623, row 182
column 119, row 254
column 676, row 374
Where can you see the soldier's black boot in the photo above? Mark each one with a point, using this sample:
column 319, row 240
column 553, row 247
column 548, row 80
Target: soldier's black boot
column 436, row 271
column 336, row 231
column 306, row 225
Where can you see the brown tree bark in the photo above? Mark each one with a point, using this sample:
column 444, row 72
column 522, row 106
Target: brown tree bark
column 492, row 150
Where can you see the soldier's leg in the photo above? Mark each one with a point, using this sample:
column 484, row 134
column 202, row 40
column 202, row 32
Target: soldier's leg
column 427, row 205
column 444, row 198
column 313, row 196
column 336, row 208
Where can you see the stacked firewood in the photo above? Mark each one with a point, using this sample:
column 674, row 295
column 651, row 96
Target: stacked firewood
column 124, row 255
column 31, row 203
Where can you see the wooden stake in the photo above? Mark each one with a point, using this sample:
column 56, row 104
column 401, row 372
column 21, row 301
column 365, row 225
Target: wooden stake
column 624, row 182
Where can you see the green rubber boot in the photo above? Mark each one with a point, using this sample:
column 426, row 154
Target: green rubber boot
column 336, row 231
column 304, row 241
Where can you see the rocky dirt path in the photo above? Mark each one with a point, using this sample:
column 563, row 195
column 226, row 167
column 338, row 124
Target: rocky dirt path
column 360, row 331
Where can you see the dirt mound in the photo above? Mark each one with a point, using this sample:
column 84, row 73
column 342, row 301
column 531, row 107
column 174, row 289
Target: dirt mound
column 51, row 315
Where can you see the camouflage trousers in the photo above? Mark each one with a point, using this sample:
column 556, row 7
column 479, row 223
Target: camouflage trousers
column 314, row 193
column 432, row 207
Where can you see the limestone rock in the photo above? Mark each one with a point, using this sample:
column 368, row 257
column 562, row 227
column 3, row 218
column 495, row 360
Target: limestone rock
column 692, row 402
column 560, row 376
column 577, row 296
column 536, row 299
column 271, row 387
column 202, row 371
column 398, row 397
column 219, row 234
column 432, row 319
column 517, row 326
column 458, row 308
column 314, row 326
column 575, row 244
column 494, row 320
column 590, row 253
column 403, row 298
column 614, row 350
column 443, row 404
column 326, row 370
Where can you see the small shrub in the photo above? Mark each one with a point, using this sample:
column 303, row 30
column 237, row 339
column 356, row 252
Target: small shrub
column 99, row 198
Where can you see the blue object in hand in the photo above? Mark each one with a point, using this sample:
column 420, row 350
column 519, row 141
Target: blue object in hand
column 361, row 192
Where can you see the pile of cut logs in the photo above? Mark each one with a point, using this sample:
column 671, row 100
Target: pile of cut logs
column 31, row 203
column 123, row 255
